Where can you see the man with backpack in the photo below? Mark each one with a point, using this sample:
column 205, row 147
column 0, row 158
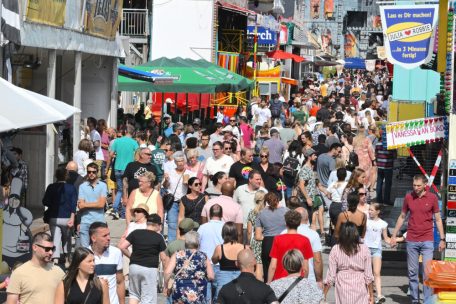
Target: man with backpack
column 276, row 107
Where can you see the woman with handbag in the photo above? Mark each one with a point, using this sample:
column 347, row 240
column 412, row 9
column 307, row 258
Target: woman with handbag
column 294, row 289
column 192, row 269
column 191, row 205
column 145, row 194
column 80, row 284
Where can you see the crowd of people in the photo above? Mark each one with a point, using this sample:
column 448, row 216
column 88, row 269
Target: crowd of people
column 236, row 214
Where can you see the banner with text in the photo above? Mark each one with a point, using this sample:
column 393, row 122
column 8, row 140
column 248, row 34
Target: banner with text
column 265, row 35
column 103, row 17
column 408, row 133
column 409, row 33
column 50, row 12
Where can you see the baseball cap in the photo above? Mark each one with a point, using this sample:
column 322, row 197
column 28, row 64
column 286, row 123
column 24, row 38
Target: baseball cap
column 141, row 207
column 166, row 116
column 187, row 224
column 154, row 219
column 309, row 152
column 197, row 121
column 227, row 129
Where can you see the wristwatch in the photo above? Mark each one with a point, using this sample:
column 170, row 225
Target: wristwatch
column 442, row 239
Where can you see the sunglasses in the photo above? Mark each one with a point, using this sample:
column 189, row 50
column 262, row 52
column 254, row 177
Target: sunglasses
column 47, row 249
column 148, row 154
column 361, row 194
column 232, row 120
column 227, row 148
column 264, row 156
column 215, row 149
column 92, row 171
column 196, row 184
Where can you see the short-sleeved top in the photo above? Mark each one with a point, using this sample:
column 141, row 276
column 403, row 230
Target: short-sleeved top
column 246, row 198
column 284, row 242
column 176, row 183
column 147, row 245
column 215, row 165
column 35, row 284
column 240, row 172
column 256, row 291
column 90, row 295
column 300, row 116
column 124, row 148
column 272, row 221
column 157, row 160
column 97, row 137
column 91, row 194
column 306, row 174
column 422, row 209
column 194, row 207
column 325, row 164
column 232, row 211
column 305, row 292
column 106, row 267
column 134, row 170
column 276, row 149
column 373, row 237
column 210, row 236
column 315, row 242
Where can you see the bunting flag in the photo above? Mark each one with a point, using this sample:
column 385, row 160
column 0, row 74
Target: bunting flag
column 11, row 25
column 229, row 61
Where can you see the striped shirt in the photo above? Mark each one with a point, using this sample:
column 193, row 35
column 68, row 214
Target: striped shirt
column 350, row 275
column 385, row 158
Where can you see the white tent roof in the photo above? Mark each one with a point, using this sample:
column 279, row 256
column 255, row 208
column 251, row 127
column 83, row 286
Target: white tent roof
column 21, row 108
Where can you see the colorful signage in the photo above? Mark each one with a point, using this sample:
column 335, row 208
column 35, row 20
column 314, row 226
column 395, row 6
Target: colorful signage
column 265, row 35
column 409, row 33
column 103, row 17
column 416, row 132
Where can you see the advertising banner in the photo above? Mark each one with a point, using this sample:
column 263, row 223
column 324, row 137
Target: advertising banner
column 329, row 9
column 103, row 17
column 409, row 33
column 50, row 12
column 351, row 45
column 265, row 35
column 416, row 132
column 314, row 9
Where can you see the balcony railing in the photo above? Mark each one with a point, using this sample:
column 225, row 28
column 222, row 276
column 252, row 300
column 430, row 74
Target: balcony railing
column 135, row 23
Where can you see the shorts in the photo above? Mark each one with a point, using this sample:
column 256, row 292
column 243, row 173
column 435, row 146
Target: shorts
column 376, row 252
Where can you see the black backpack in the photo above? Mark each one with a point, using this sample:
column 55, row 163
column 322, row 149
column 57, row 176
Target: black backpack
column 353, row 161
column 291, row 167
column 276, row 108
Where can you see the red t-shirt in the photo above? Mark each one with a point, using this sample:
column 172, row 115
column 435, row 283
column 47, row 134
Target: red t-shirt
column 284, row 242
column 313, row 111
column 420, row 224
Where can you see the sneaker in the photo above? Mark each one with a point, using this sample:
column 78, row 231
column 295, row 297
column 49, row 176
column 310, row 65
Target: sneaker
column 115, row 216
column 380, row 299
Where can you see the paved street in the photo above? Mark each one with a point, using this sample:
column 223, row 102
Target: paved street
column 394, row 273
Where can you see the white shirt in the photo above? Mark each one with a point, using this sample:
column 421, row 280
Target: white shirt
column 220, row 117
column 215, row 165
column 264, row 114
column 176, row 183
column 333, row 176
column 336, row 192
column 246, row 198
column 315, row 243
column 373, row 238
column 95, row 136
column 112, row 262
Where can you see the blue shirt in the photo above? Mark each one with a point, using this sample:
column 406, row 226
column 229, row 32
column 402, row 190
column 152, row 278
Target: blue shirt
column 124, row 148
column 90, row 195
column 210, row 236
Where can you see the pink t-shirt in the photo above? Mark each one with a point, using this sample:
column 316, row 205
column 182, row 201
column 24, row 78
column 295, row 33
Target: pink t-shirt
column 247, row 135
column 232, row 211
column 105, row 141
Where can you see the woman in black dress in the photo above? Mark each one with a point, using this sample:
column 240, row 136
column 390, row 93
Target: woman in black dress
column 191, row 205
column 80, row 284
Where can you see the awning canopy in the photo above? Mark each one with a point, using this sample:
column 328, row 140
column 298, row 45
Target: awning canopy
column 355, row 63
column 279, row 54
column 188, row 76
column 232, row 7
column 21, row 108
column 291, row 81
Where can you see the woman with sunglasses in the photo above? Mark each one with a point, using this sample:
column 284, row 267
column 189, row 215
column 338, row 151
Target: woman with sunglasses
column 264, row 164
column 191, row 205
column 80, row 284
column 229, row 148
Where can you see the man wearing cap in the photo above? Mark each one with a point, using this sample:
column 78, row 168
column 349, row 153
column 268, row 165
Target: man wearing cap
column 275, row 146
column 167, row 125
column 186, row 225
column 197, row 128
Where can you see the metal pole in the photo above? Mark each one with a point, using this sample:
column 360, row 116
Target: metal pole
column 77, row 99
column 114, row 94
column 50, row 130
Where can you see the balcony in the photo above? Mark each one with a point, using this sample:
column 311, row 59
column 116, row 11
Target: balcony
column 135, row 24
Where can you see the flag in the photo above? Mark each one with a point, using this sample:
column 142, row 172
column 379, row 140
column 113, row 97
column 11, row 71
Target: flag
column 11, row 21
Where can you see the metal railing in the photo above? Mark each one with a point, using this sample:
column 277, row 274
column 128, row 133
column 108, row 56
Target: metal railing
column 135, row 22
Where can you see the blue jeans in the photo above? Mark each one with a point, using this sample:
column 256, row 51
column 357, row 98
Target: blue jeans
column 223, row 277
column 414, row 249
column 84, row 234
column 171, row 217
column 212, row 286
column 383, row 196
column 117, row 206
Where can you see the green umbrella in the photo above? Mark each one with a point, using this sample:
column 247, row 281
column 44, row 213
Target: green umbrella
column 188, row 76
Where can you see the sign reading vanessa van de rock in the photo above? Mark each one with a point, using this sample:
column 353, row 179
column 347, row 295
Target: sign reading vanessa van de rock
column 409, row 33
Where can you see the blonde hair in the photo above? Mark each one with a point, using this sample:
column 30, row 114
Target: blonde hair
column 192, row 153
column 259, row 201
column 150, row 176
column 264, row 150
column 340, row 163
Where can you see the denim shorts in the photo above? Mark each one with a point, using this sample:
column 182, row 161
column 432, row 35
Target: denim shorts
column 376, row 252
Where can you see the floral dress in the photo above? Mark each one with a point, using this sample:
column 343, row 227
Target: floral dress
column 254, row 244
column 191, row 283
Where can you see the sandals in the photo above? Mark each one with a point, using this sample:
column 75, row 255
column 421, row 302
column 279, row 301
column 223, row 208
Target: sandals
column 380, row 299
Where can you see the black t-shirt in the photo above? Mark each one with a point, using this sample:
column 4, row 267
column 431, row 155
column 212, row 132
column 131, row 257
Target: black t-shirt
column 240, row 172
column 134, row 170
column 147, row 245
column 254, row 290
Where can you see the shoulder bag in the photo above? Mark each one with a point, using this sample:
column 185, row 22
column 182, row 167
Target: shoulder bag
column 168, row 198
column 284, row 295
column 171, row 280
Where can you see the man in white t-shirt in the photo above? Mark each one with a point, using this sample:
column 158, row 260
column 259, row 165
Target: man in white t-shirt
column 262, row 115
column 96, row 140
column 220, row 115
column 218, row 163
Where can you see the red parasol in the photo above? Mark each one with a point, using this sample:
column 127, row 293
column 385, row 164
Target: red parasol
column 279, row 54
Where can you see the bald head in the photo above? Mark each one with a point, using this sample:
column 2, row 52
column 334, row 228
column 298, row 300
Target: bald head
column 227, row 188
column 304, row 215
column 246, row 260
column 72, row 166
